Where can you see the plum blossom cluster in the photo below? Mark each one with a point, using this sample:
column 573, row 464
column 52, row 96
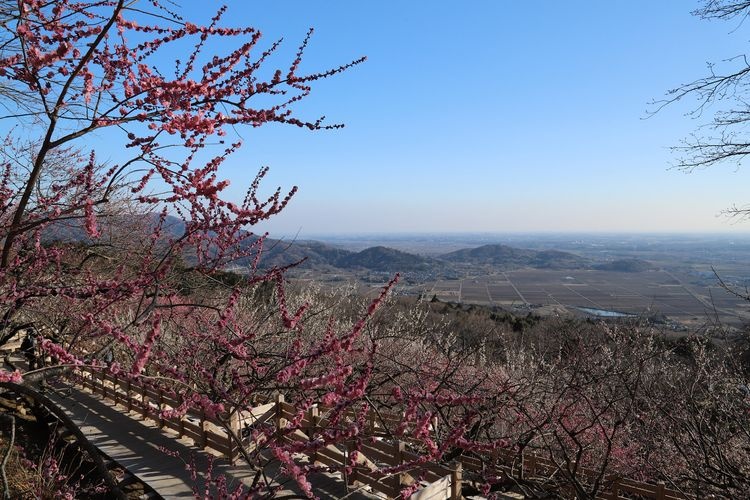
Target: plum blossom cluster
column 121, row 264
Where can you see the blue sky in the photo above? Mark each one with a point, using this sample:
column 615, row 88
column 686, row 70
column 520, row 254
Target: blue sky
column 491, row 116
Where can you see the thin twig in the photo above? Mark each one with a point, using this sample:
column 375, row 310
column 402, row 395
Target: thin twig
column 6, row 456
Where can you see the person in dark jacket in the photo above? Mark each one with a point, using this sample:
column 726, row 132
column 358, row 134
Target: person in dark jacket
column 109, row 357
column 28, row 348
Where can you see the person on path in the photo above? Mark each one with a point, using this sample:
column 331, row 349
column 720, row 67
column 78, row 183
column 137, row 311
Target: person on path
column 28, row 348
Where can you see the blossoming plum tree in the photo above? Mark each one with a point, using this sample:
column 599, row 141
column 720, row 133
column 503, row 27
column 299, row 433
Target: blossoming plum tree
column 127, row 256
column 125, row 259
column 89, row 67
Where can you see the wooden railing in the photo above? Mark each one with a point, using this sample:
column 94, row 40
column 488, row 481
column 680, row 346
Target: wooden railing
column 377, row 451
column 533, row 466
column 374, row 454
column 437, row 481
column 150, row 402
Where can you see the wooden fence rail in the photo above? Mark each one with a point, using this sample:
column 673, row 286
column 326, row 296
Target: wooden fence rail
column 377, row 451
column 211, row 433
column 205, row 431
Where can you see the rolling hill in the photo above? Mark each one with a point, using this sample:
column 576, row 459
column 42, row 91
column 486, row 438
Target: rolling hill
column 388, row 260
column 318, row 255
column 507, row 257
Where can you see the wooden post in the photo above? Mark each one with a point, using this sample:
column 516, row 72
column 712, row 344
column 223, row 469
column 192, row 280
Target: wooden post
column 161, row 408
column 235, row 426
column 313, row 414
column 314, row 417
column 103, row 378
column 119, row 387
column 129, row 396
column 204, row 431
column 615, row 489
column 280, row 420
column 371, row 424
column 532, row 464
column 144, row 402
column 660, row 493
column 115, row 384
column 456, row 474
column 398, row 453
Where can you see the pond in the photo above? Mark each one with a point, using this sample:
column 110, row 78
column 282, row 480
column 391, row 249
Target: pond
column 603, row 313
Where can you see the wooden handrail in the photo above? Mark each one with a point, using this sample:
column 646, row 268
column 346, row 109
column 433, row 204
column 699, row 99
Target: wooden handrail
column 211, row 433
column 208, row 433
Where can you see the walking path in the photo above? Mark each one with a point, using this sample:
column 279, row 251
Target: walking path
column 158, row 457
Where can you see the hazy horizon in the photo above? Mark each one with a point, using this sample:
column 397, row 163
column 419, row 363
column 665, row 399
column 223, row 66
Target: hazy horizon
column 385, row 237
column 531, row 233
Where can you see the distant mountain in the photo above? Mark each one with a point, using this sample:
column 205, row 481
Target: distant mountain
column 330, row 254
column 318, row 255
column 625, row 266
column 489, row 254
column 509, row 257
column 555, row 259
column 281, row 253
column 321, row 256
column 387, row 260
column 275, row 252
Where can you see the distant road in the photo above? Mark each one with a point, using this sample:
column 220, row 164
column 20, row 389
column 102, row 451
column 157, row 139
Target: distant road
column 516, row 289
column 707, row 303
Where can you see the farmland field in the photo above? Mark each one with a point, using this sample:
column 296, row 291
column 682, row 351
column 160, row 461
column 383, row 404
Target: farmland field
column 673, row 279
column 644, row 293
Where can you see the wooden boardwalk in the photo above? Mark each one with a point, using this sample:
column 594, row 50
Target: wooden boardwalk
column 139, row 446
column 159, row 457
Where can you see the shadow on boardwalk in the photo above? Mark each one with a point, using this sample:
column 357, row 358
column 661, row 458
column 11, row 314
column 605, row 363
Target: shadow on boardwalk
column 136, row 444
